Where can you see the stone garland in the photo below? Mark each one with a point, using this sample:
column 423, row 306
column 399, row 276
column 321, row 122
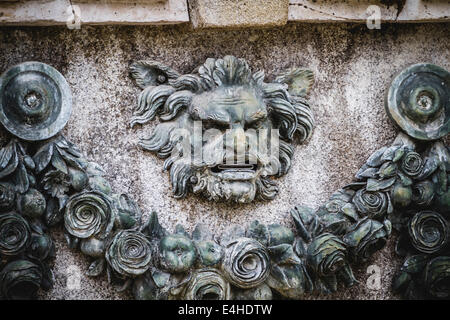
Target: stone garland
column 47, row 183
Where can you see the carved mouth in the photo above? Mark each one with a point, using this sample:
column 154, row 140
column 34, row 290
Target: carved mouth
column 235, row 171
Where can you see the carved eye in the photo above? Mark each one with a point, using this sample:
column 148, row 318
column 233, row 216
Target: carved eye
column 253, row 125
column 161, row 78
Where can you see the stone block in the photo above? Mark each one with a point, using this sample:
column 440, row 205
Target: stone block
column 57, row 12
column 361, row 10
column 237, row 13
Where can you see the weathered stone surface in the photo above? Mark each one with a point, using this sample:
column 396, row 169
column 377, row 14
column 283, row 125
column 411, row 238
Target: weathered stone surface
column 119, row 1
column 212, row 13
column 353, row 66
column 62, row 12
column 360, row 11
column 236, row 13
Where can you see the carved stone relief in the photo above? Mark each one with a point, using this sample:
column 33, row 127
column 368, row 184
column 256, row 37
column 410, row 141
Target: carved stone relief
column 229, row 162
column 47, row 181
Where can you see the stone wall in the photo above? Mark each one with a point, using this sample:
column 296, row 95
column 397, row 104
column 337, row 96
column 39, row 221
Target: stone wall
column 353, row 67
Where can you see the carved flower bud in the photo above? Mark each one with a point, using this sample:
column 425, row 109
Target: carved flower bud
column 209, row 252
column 7, row 197
column 366, row 237
column 88, row 214
column 32, row 203
column 326, row 254
column 78, row 179
column 207, row 284
column 373, row 204
column 100, row 184
column 437, row 277
column 129, row 253
column 279, row 234
column 412, row 164
column 177, row 253
column 401, row 195
column 15, row 234
column 41, row 247
column 428, row 231
column 246, row 263
column 20, row 280
column 56, row 183
column 93, row 247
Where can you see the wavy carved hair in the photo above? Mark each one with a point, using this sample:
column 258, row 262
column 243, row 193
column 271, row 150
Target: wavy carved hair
column 167, row 101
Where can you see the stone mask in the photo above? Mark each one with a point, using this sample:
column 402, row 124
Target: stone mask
column 224, row 132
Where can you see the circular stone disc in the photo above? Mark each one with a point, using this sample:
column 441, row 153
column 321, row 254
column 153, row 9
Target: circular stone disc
column 418, row 101
column 35, row 101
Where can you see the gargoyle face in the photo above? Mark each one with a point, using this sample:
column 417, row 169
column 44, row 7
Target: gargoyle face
column 224, row 132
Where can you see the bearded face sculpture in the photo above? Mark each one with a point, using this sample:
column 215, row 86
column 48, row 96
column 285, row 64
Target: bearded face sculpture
column 224, row 132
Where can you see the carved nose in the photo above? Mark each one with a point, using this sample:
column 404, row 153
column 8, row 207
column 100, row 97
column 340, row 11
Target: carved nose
column 240, row 137
column 236, row 145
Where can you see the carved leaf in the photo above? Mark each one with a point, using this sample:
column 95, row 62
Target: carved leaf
column 94, row 169
column 366, row 172
column 153, row 228
column 43, row 156
column 284, row 254
column 96, row 268
column 376, row 159
column 59, row 163
column 258, row 231
column 11, row 165
column 21, row 178
column 151, row 73
column 299, row 81
column 6, row 154
column 376, row 185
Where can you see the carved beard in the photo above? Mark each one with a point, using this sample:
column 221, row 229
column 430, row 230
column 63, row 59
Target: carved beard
column 201, row 179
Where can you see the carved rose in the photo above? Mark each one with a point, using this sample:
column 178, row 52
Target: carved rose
column 326, row 254
column 246, row 263
column 207, row 284
column 412, row 164
column 366, row 237
column 32, row 203
column 93, row 247
column 20, row 279
column 428, row 231
column 89, row 213
column 7, row 197
column 373, row 204
column 437, row 277
column 15, row 234
column 423, row 193
column 177, row 253
column 129, row 253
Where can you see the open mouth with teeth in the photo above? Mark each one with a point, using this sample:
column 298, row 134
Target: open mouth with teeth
column 235, row 171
